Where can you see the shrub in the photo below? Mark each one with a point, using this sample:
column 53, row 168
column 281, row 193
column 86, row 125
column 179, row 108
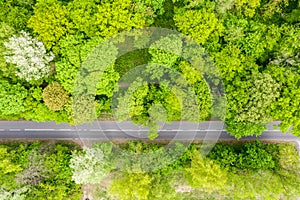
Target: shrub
column 55, row 97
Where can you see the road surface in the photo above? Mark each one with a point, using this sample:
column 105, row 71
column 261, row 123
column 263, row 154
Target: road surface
column 127, row 130
column 109, row 130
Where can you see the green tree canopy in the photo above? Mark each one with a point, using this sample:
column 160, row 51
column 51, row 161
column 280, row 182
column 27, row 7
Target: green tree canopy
column 50, row 22
column 131, row 186
column 12, row 98
column 199, row 24
column 205, row 173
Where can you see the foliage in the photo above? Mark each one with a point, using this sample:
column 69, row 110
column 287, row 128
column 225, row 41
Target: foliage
column 125, row 188
column 250, row 103
column 224, row 155
column 272, row 8
column 260, row 40
column 205, row 173
column 59, row 185
column 152, row 8
column 204, row 23
column 288, row 158
column 74, row 51
column 161, row 188
column 6, row 69
column 82, row 14
column 254, row 44
column 250, row 185
column 29, row 55
column 253, row 156
column 173, row 44
column 108, row 84
column 288, row 78
column 200, row 87
column 50, row 21
column 141, row 98
column 107, row 18
column 37, row 171
column 247, row 7
column 165, row 88
column 18, row 194
column 294, row 16
column 39, row 112
column 8, row 168
column 89, row 166
column 242, row 129
column 71, row 57
column 16, row 13
column 231, row 171
column 249, row 156
column 149, row 187
column 83, row 109
column 127, row 62
column 262, row 92
column 138, row 156
column 12, row 98
column 54, row 96
column 256, row 39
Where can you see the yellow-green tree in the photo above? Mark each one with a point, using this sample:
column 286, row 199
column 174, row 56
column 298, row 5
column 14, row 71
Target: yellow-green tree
column 205, row 173
column 131, row 186
column 199, row 24
column 50, row 22
column 247, row 8
column 105, row 19
column 8, row 169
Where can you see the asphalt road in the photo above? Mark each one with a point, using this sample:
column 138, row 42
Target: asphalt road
column 103, row 131
column 127, row 130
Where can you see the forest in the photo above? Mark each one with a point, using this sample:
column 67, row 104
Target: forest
column 254, row 45
column 56, row 171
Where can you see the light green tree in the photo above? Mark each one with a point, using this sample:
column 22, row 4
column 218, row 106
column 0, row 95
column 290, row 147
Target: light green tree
column 50, row 21
column 262, row 92
column 288, row 78
column 172, row 46
column 131, row 186
column 251, row 185
column 199, row 24
column 12, row 98
column 16, row 12
column 6, row 164
column 105, row 19
column 205, row 173
column 247, row 8
column 273, row 7
column 289, row 158
column 7, row 69
column 250, row 102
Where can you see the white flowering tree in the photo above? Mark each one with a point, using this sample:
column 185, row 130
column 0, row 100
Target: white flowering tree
column 17, row 194
column 29, row 55
column 89, row 166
